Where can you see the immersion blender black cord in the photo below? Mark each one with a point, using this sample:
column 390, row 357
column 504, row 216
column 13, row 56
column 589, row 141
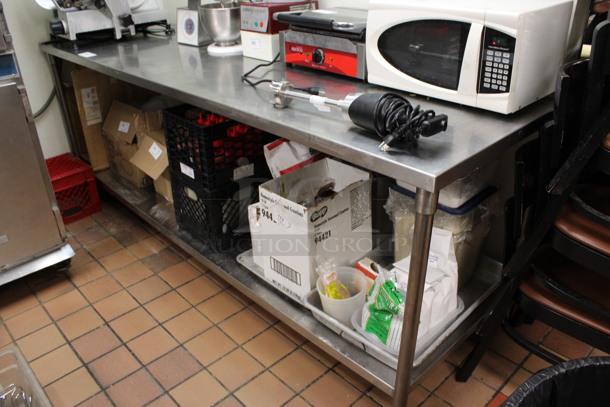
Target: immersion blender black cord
column 395, row 119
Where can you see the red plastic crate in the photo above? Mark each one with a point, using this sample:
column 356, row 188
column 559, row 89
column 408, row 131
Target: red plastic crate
column 74, row 186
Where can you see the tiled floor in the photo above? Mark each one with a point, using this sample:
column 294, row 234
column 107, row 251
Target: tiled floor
column 134, row 321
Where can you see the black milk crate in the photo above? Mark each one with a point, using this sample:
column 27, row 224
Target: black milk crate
column 219, row 215
column 208, row 148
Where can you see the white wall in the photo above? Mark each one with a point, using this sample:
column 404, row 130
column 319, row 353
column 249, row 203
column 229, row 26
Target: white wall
column 28, row 24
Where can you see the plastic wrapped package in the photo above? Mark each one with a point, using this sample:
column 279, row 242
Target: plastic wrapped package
column 469, row 225
column 381, row 319
column 464, row 189
column 578, row 382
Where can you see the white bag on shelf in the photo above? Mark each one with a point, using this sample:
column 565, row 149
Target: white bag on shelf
column 440, row 299
column 440, row 289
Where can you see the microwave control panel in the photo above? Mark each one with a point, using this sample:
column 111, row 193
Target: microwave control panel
column 497, row 57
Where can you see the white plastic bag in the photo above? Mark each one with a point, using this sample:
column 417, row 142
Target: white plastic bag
column 440, row 289
column 383, row 312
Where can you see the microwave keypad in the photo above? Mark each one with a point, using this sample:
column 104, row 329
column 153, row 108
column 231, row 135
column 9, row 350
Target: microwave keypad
column 497, row 67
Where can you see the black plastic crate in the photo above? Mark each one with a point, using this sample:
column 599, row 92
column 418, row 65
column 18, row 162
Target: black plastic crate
column 207, row 147
column 219, row 215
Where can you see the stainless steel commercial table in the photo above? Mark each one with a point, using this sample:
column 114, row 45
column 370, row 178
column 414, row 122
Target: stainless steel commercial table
column 473, row 139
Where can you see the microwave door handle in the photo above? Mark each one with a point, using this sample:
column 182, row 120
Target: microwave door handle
column 469, row 74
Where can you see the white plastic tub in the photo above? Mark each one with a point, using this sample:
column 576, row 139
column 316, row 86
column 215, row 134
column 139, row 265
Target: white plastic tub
column 425, row 344
column 342, row 310
column 469, row 225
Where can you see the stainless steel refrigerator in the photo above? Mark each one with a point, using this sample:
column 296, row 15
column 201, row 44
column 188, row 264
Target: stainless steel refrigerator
column 32, row 234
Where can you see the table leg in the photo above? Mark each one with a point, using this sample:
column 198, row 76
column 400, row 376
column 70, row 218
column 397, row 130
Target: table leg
column 425, row 207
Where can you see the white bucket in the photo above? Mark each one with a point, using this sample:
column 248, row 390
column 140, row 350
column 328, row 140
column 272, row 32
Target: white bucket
column 342, row 310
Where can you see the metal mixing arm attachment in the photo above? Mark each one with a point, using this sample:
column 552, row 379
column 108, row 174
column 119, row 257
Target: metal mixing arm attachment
column 389, row 115
column 283, row 93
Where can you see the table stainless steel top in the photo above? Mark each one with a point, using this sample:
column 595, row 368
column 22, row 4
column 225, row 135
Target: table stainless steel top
column 473, row 138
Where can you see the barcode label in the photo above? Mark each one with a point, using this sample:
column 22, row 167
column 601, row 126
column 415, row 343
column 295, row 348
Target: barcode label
column 286, row 271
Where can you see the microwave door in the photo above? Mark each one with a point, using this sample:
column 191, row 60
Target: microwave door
column 470, row 72
column 431, row 51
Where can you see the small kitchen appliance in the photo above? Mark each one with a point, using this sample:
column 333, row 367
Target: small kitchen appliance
column 84, row 16
column 221, row 20
column 329, row 40
column 189, row 28
column 260, row 32
column 491, row 54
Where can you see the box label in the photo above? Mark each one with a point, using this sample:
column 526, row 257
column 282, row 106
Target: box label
column 155, row 151
column 91, row 104
column 123, row 127
column 283, row 221
column 255, row 44
column 243, row 171
column 186, row 170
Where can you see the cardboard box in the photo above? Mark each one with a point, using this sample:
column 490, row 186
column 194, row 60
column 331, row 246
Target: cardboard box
column 151, row 156
column 94, row 94
column 120, row 134
column 299, row 221
column 163, row 186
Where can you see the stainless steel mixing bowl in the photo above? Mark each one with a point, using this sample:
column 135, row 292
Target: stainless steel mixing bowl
column 222, row 22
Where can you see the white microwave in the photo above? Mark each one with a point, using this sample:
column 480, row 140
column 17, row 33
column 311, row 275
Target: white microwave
column 498, row 55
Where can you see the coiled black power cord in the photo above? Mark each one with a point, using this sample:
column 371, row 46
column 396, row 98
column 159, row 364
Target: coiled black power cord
column 395, row 119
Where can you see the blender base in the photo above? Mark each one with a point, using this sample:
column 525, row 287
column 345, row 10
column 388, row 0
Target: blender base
column 217, row 50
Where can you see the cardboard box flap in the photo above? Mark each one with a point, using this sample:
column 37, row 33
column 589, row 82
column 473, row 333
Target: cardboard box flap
column 303, row 185
column 151, row 124
column 163, row 186
column 120, row 122
column 151, row 157
column 337, row 224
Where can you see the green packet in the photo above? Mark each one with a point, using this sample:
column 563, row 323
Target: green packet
column 385, row 304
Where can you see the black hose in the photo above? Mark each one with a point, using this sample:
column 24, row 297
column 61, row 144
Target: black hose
column 46, row 104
